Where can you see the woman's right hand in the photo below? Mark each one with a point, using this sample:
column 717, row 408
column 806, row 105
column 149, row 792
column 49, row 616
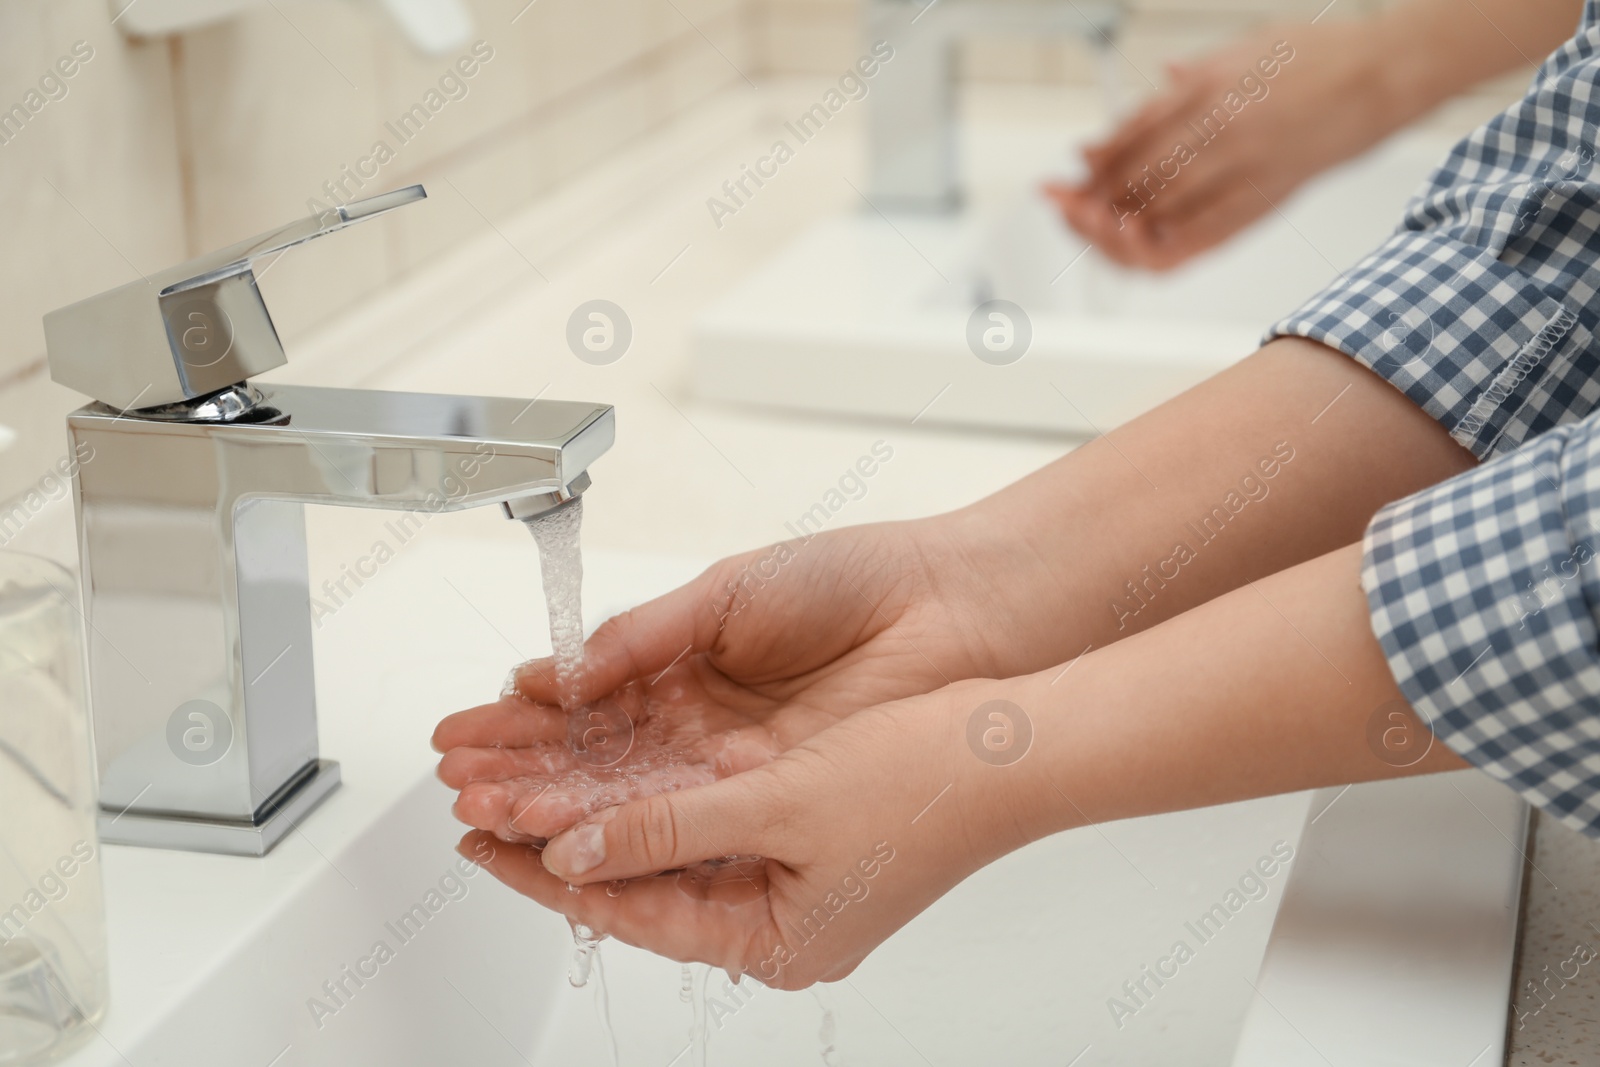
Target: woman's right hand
column 760, row 652
column 849, row 618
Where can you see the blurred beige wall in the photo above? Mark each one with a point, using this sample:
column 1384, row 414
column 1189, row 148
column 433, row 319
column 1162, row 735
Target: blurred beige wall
column 803, row 35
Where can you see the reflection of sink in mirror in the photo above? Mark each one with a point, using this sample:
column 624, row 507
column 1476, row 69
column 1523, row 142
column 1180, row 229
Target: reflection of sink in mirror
column 868, row 314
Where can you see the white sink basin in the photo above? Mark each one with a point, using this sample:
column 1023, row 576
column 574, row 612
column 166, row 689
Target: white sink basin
column 1405, row 893
column 868, row 315
column 223, row 960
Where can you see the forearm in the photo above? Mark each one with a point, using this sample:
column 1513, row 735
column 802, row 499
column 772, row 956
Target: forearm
column 1271, row 689
column 1431, row 50
column 1126, row 531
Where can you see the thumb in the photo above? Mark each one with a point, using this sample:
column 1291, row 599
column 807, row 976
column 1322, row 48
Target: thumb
column 641, row 642
column 665, row 832
column 1060, row 189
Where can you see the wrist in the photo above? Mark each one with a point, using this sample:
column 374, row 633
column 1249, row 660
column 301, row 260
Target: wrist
column 1057, row 795
column 1417, row 65
column 985, row 581
column 1008, row 772
column 1012, row 562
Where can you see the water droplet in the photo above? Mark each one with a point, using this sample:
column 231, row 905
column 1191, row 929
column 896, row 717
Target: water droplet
column 585, row 944
column 614, row 889
column 827, row 1033
column 586, row 960
column 602, row 1007
column 699, row 1031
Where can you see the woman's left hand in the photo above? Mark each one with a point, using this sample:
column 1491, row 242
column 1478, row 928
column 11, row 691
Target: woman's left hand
column 1159, row 193
column 793, row 871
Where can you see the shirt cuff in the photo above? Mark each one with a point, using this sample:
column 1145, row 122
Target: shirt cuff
column 1483, row 594
column 1482, row 347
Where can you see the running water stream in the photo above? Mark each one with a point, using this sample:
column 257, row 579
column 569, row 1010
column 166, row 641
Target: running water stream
column 558, row 536
column 699, row 1030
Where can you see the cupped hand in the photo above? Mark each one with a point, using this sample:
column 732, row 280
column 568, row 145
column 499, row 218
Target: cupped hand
column 526, row 770
column 1197, row 185
column 758, row 653
column 793, row 871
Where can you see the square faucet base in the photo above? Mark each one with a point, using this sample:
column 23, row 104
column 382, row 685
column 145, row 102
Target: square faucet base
column 192, row 834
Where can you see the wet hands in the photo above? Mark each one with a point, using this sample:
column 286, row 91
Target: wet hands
column 751, row 713
column 527, row 770
column 757, row 654
column 857, row 829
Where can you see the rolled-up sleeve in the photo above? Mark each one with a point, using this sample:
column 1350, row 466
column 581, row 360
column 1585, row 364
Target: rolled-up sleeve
column 1485, row 595
column 1482, row 306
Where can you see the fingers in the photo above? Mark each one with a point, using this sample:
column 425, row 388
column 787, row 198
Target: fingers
column 1096, row 220
column 1184, row 221
column 1150, row 114
column 490, row 807
column 509, row 721
column 640, row 643
column 536, row 808
column 1148, row 135
column 460, row 767
column 666, row 832
column 566, row 803
column 664, row 914
column 1202, row 184
column 1206, row 225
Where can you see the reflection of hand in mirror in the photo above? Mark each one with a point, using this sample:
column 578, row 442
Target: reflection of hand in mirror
column 1236, row 131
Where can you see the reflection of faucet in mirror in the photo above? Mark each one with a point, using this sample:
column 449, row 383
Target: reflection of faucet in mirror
column 192, row 534
column 911, row 111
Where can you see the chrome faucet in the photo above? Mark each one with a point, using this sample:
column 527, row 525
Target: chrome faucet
column 911, row 110
column 190, row 493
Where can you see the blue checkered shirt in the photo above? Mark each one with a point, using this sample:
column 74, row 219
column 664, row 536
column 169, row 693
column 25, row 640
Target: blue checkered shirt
column 1481, row 308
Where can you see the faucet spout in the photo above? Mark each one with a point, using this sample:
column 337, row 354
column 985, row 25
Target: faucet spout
column 528, row 508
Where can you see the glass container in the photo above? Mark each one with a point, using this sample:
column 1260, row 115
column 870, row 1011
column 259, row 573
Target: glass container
column 52, row 912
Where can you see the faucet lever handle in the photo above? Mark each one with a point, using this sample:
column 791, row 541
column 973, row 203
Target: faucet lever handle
column 192, row 329
column 240, row 258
